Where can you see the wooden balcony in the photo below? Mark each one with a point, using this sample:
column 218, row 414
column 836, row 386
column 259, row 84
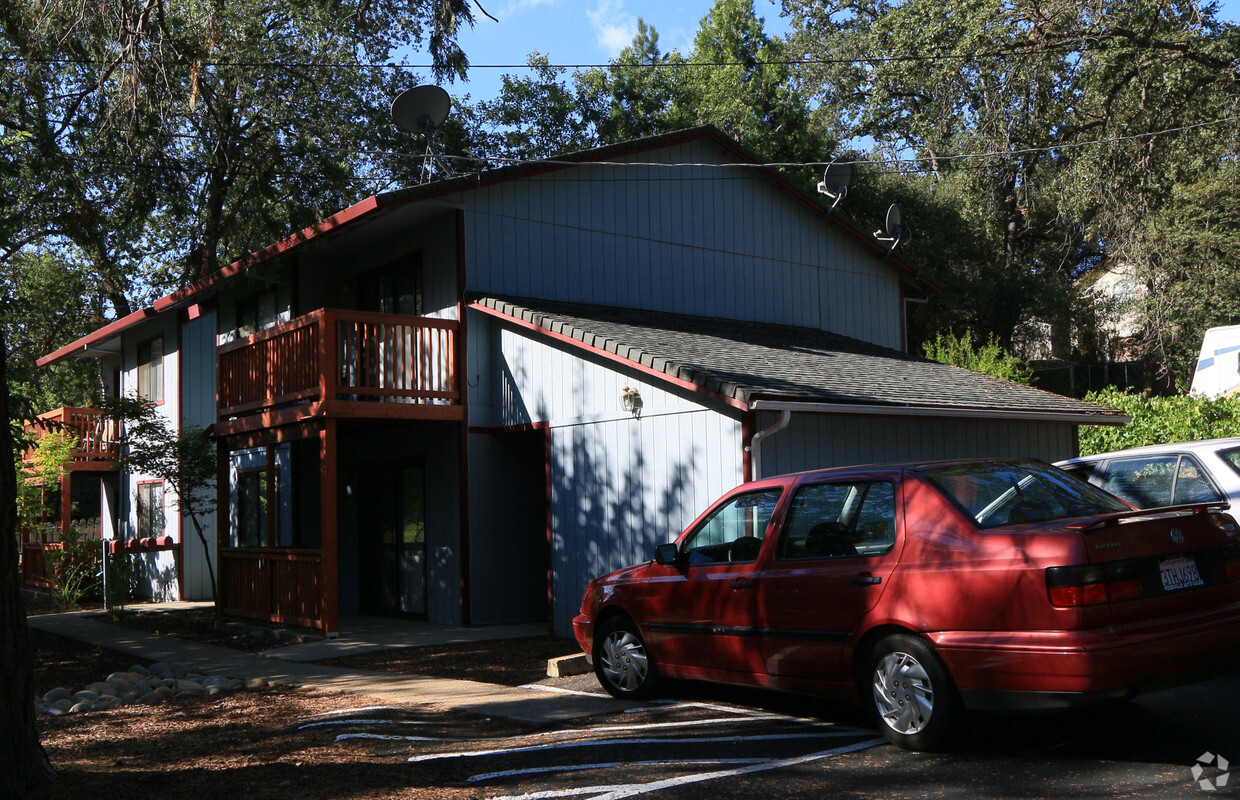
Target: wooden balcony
column 339, row 363
column 97, row 436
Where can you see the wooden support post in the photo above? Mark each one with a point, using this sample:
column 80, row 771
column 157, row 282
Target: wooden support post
column 328, row 493
column 66, row 503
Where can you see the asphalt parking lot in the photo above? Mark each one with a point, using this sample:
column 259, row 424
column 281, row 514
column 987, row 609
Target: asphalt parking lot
column 718, row 742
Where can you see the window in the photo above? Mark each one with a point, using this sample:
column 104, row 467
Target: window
column 394, row 288
column 252, row 508
column 151, row 370
column 256, row 312
column 995, row 494
column 150, row 509
column 1192, row 485
column 734, row 532
column 831, row 520
column 1154, row 481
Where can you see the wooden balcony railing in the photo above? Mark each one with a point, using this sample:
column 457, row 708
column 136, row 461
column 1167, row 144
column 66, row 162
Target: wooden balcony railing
column 349, row 363
column 282, row 586
column 97, row 434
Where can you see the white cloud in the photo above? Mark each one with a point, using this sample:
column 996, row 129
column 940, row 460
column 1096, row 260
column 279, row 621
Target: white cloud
column 614, row 28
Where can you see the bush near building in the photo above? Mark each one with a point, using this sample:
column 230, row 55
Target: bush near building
column 1159, row 420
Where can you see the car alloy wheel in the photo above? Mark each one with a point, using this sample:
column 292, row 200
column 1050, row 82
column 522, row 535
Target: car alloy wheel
column 621, row 662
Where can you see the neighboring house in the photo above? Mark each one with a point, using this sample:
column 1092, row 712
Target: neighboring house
column 462, row 400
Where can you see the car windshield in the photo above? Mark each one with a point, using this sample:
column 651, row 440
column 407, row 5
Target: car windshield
column 1011, row 493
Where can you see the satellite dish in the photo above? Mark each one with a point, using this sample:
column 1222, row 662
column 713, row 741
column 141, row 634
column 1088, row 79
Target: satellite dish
column 894, row 230
column 421, row 109
column 893, row 221
column 835, row 181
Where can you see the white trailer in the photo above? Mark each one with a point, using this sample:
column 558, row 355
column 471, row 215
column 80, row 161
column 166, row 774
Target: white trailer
column 1218, row 366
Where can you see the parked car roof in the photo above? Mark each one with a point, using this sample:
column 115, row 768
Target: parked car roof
column 1151, row 488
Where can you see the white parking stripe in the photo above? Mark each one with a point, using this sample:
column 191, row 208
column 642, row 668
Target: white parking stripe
column 328, row 722
column 510, row 773
column 645, row 726
column 390, row 737
column 620, row 791
column 341, row 712
column 614, row 742
column 561, row 690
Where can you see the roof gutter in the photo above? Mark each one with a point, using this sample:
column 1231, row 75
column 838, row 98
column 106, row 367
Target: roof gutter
column 856, row 409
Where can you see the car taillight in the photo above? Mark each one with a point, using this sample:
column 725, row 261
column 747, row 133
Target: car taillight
column 1092, row 584
column 1231, row 562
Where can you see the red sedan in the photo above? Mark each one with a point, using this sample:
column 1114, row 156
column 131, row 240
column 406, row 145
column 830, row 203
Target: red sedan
column 926, row 590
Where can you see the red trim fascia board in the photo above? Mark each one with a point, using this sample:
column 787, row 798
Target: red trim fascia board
column 321, row 228
column 106, row 332
column 187, row 294
column 642, row 368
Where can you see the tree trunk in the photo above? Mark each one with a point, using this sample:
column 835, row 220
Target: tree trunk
column 24, row 767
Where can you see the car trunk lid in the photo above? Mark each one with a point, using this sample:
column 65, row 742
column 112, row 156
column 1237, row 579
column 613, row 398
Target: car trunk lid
column 1156, row 562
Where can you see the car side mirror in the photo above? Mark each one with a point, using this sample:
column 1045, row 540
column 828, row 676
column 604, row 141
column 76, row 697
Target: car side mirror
column 667, row 555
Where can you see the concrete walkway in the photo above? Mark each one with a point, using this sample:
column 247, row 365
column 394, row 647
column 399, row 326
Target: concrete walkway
column 285, row 665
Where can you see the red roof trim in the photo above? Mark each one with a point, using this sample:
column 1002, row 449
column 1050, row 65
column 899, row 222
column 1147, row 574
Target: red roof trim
column 610, row 356
column 186, row 294
column 94, row 337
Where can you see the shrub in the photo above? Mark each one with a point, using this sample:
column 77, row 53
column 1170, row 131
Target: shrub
column 1159, row 420
column 73, row 571
column 989, row 359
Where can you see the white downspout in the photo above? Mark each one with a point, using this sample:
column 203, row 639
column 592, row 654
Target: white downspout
column 755, row 444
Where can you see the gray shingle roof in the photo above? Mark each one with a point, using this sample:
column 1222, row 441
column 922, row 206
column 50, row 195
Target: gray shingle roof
column 749, row 361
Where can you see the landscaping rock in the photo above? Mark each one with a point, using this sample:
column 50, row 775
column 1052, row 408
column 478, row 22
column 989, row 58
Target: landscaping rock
column 57, row 694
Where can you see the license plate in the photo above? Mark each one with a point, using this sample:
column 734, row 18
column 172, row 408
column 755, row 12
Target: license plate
column 1179, row 573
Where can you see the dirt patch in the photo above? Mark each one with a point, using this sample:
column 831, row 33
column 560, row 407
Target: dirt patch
column 247, row 744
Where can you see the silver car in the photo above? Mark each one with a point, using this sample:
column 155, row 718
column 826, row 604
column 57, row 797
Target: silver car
column 1166, row 474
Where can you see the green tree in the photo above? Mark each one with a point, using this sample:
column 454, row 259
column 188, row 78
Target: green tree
column 1186, row 265
column 1022, row 89
column 536, row 116
column 642, row 92
column 50, row 303
column 184, row 460
column 167, row 139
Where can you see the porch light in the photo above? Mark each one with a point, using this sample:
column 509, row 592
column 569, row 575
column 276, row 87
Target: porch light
column 631, row 401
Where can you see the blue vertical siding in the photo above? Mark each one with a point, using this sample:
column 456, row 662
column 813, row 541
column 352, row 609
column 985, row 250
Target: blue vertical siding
column 721, row 242
column 197, row 378
column 816, row 441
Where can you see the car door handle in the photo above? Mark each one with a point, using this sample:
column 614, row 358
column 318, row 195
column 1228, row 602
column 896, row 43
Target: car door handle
column 741, row 584
column 866, row 580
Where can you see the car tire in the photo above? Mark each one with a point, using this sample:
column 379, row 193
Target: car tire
column 621, row 661
column 911, row 695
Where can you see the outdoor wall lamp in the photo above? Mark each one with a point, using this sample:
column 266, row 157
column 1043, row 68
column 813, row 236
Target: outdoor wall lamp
column 631, row 401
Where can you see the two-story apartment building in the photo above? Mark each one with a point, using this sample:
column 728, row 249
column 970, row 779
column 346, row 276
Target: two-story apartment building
column 462, row 400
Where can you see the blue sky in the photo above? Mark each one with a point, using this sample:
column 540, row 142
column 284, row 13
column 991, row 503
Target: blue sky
column 593, row 31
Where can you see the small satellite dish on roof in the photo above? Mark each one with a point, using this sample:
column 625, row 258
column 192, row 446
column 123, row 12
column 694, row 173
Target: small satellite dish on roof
column 835, row 181
column 893, row 227
column 423, row 109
